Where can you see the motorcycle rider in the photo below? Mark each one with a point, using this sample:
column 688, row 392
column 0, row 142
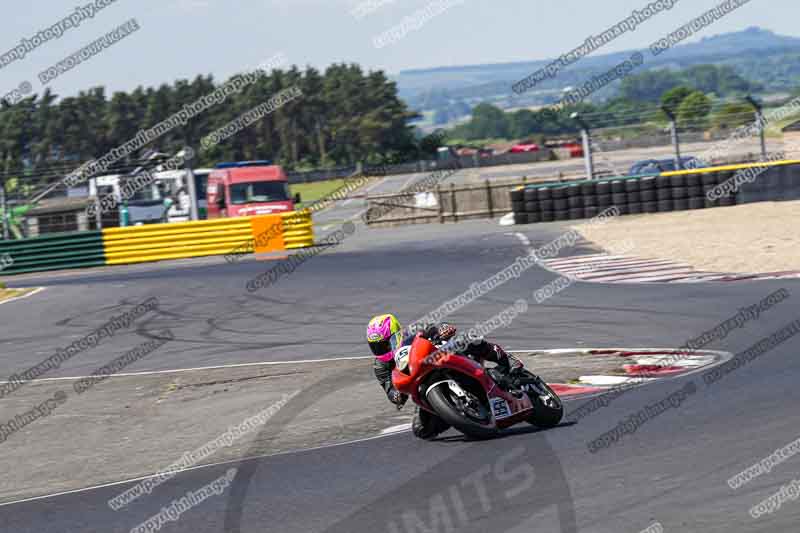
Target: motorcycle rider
column 385, row 335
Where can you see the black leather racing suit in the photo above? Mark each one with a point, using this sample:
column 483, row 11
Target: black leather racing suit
column 427, row 425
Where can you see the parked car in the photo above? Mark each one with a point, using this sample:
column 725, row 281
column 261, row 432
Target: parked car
column 575, row 149
column 657, row 166
column 524, row 147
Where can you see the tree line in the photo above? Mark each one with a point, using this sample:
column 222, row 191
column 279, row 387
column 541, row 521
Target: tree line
column 701, row 97
column 345, row 116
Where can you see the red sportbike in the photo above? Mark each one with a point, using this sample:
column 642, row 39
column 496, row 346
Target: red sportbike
column 460, row 391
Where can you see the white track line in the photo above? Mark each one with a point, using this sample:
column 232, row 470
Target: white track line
column 35, row 291
column 325, row 446
column 396, row 429
column 523, row 238
column 218, row 367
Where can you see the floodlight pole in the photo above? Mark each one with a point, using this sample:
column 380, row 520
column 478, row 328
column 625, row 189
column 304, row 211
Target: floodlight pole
column 762, row 124
column 673, row 128
column 587, row 145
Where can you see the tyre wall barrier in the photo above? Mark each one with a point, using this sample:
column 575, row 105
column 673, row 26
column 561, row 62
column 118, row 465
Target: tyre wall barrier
column 158, row 242
column 669, row 191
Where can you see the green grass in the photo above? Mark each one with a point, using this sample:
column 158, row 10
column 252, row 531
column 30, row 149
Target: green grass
column 311, row 192
column 6, row 294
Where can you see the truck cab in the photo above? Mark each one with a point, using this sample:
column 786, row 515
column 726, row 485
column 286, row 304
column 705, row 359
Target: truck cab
column 248, row 188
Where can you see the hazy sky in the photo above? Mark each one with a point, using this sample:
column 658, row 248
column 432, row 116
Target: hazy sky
column 181, row 38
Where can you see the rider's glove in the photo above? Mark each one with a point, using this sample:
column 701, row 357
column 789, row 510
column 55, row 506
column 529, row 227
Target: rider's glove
column 396, row 397
column 446, row 331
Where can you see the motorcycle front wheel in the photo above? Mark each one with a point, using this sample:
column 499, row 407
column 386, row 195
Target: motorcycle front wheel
column 449, row 409
column 547, row 407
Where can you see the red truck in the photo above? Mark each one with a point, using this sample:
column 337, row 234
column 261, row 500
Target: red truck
column 248, row 188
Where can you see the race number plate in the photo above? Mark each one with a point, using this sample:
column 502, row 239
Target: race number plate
column 500, row 408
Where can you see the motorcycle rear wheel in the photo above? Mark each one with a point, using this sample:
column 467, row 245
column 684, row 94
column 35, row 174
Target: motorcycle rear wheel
column 448, row 411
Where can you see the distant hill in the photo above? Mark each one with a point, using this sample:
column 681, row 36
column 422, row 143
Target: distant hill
column 771, row 60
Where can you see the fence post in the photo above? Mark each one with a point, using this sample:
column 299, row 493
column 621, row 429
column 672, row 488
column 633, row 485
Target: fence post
column 98, row 214
column 453, row 201
column 4, row 207
column 489, row 199
column 191, row 186
column 587, row 152
column 441, row 205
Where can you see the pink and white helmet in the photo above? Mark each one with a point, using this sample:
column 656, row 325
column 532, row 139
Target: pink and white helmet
column 383, row 336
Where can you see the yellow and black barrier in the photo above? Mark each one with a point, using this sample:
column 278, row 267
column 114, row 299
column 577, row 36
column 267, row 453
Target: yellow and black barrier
column 158, row 242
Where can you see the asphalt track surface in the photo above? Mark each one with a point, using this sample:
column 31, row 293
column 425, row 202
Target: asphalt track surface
column 673, row 470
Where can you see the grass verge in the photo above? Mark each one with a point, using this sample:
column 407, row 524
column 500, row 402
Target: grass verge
column 7, row 294
column 311, row 192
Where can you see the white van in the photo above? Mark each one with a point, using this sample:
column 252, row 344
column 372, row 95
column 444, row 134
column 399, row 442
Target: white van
column 173, row 184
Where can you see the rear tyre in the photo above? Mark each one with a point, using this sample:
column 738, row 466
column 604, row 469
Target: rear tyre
column 447, row 409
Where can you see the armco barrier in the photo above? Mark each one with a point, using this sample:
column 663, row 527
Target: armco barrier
column 141, row 244
column 53, row 252
column 158, row 242
column 669, row 191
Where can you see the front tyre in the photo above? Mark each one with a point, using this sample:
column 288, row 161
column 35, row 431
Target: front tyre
column 547, row 407
column 449, row 409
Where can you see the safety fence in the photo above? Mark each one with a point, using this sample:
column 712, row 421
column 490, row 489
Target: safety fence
column 158, row 242
column 669, row 191
column 443, row 204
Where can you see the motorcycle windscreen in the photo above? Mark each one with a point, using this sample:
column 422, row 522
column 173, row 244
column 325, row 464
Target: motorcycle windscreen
column 420, row 349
